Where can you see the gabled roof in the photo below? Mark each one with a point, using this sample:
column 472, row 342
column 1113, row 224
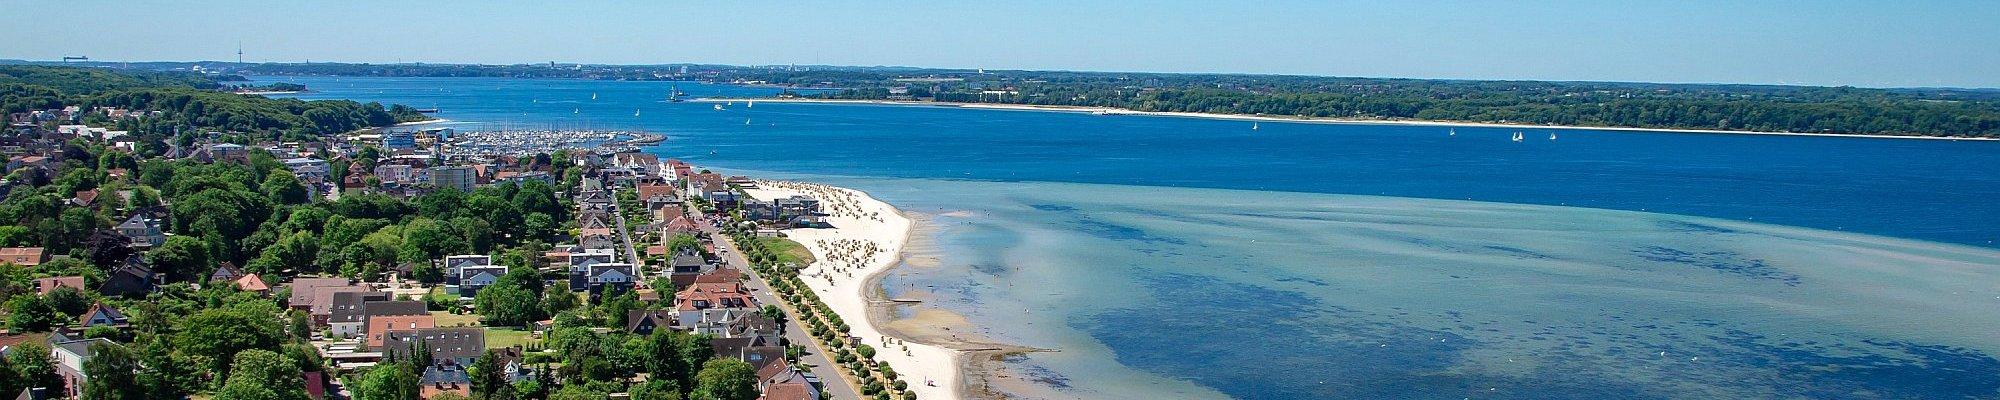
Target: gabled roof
column 660, row 318
column 304, row 289
column 228, row 272
column 108, row 312
column 378, row 328
column 45, row 285
column 252, row 283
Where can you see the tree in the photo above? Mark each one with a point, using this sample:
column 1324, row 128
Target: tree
column 557, row 299
column 11, row 380
column 112, row 370
column 666, row 359
column 220, row 333
column 68, row 301
column 31, row 361
column 284, row 188
column 657, row 389
column 263, row 375
column 726, row 379
column 388, row 381
column 32, row 314
column 182, row 258
column 108, row 248
column 507, row 303
column 166, row 374
column 487, row 376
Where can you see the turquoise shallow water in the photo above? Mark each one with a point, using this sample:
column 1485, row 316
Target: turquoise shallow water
column 1186, row 258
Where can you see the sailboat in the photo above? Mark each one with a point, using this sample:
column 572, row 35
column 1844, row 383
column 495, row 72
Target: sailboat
column 749, row 103
column 1552, row 136
column 746, row 121
column 593, row 95
column 575, row 111
column 1517, row 136
column 718, row 107
column 635, row 112
column 1451, row 132
column 1253, row 126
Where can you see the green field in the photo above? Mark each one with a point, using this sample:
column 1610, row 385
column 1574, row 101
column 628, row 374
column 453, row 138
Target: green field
column 506, row 337
column 788, row 250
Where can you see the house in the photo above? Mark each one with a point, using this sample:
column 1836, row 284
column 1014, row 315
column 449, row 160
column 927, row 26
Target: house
column 103, row 315
column 45, row 285
column 454, row 177
column 346, row 316
column 315, row 296
column 611, row 278
column 227, row 152
column 644, row 322
column 473, row 278
column 579, row 266
column 753, row 325
column 128, row 280
column 451, row 350
column 23, row 256
column 374, row 309
column 452, row 264
column 227, row 272
column 143, row 230
column 708, row 307
column 513, row 365
column 253, row 283
column 84, row 198
column 395, row 173
column 597, row 238
column 70, row 353
column 378, row 328
column 681, row 225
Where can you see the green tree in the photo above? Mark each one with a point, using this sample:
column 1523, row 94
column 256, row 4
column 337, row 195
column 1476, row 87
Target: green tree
column 68, row 301
column 112, row 369
column 507, row 303
column 557, row 299
column 218, row 334
column 182, row 258
column 726, row 379
column 388, row 381
column 32, row 314
column 263, row 375
column 31, row 361
column 284, row 188
column 657, row 389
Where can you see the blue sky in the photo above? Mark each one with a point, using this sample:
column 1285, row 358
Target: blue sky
column 1860, row 43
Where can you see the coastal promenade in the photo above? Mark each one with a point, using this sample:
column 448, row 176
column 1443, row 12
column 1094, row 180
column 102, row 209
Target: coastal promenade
column 837, row 384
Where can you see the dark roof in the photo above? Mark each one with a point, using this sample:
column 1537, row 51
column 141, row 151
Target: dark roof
column 347, row 306
column 661, row 318
column 395, row 307
column 459, row 345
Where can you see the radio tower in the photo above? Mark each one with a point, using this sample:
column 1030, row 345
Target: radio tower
column 239, row 52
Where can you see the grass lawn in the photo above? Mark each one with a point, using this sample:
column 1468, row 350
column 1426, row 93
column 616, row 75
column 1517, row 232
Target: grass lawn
column 447, row 319
column 788, row 250
column 506, row 337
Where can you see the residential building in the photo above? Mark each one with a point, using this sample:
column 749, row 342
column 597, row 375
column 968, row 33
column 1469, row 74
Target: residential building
column 473, row 278
column 455, row 177
column 708, row 307
column 23, row 256
column 144, row 231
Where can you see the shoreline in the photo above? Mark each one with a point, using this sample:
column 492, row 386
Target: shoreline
column 423, row 122
column 1112, row 111
column 850, row 283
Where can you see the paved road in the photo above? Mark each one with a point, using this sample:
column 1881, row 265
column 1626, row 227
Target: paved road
column 631, row 253
column 837, row 385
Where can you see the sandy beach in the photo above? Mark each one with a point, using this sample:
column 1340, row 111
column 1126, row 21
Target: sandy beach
column 1314, row 120
column 866, row 240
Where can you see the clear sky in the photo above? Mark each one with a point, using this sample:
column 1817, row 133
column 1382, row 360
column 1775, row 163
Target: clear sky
column 1831, row 42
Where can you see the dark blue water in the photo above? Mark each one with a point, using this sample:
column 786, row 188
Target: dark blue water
column 1919, row 189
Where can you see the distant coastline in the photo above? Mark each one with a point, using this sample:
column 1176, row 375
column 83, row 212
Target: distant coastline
column 1314, row 120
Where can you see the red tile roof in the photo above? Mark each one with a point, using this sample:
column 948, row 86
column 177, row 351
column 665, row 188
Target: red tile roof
column 45, row 285
column 378, row 327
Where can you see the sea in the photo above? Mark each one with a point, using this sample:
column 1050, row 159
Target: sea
column 1169, row 257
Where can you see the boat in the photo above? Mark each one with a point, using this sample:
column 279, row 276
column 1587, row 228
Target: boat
column 593, row 95
column 1517, row 136
column 718, row 107
column 1451, row 132
column 1552, row 136
column 746, row 121
column 635, row 112
column 575, row 111
column 1253, row 126
column 749, row 103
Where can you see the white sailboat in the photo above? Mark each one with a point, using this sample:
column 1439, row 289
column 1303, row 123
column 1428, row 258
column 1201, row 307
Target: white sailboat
column 1517, row 137
column 746, row 121
column 749, row 103
column 593, row 95
column 1552, row 136
column 1451, row 132
column 718, row 107
column 575, row 111
column 635, row 112
column 1253, row 126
